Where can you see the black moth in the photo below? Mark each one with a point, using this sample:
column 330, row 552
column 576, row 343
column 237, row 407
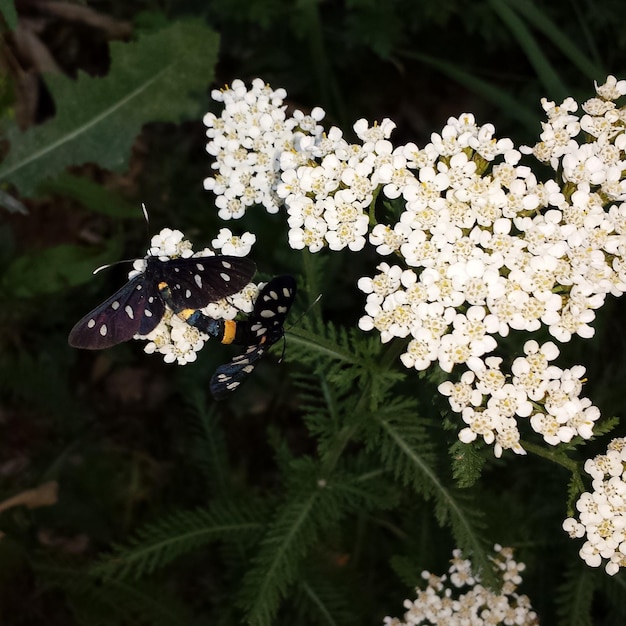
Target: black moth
column 138, row 306
column 263, row 329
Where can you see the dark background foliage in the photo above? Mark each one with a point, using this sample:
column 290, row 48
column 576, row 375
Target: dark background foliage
column 196, row 494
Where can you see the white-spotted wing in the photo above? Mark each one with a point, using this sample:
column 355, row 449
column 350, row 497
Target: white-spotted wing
column 127, row 312
column 195, row 282
column 138, row 306
column 265, row 328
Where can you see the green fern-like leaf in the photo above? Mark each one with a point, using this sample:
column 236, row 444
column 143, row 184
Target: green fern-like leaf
column 457, row 507
column 314, row 506
column 363, row 485
column 348, row 360
column 574, row 488
column 406, row 451
column 467, row 464
column 277, row 564
column 406, row 570
column 605, row 426
column 402, row 441
column 113, row 602
column 354, row 401
column 320, row 599
column 320, row 408
column 324, row 342
column 614, row 588
column 574, row 597
column 157, row 78
column 207, row 447
column 160, row 543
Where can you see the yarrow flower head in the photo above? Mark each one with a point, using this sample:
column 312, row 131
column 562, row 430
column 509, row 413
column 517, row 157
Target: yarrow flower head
column 247, row 141
column 176, row 340
column 458, row 598
column 481, row 247
column 602, row 511
column 487, row 248
column 264, row 156
column 491, row 402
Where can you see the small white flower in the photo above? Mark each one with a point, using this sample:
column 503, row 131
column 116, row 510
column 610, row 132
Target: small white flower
column 602, row 512
column 233, row 245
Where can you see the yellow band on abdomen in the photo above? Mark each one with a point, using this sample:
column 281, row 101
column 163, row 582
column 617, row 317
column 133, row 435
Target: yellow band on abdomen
column 230, row 328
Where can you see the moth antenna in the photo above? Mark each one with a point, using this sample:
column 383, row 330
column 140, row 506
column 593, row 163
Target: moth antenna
column 282, row 356
column 314, row 303
column 147, row 218
column 103, row 267
column 306, row 312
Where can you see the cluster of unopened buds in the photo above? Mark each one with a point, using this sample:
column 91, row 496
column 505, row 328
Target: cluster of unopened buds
column 459, row 599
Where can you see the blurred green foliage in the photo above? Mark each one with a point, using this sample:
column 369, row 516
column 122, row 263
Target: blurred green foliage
column 173, row 510
column 157, row 78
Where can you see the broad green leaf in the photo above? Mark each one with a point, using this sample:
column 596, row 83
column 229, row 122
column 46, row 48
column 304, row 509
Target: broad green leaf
column 160, row 77
column 53, row 269
column 92, row 195
column 7, row 8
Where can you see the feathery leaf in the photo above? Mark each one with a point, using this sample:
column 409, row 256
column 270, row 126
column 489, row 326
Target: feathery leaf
column 96, row 601
column 574, row 597
column 160, row 543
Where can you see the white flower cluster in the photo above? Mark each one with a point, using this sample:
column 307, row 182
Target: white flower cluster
column 482, row 246
column 490, row 401
column 443, row 604
column 497, row 251
column 602, row 513
column 327, row 196
column 265, row 157
column 489, row 248
column 598, row 163
column 247, row 141
column 176, row 340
